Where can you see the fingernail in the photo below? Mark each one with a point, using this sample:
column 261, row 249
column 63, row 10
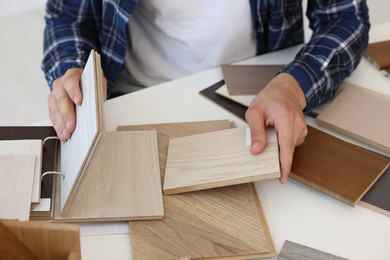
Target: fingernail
column 75, row 99
column 255, row 145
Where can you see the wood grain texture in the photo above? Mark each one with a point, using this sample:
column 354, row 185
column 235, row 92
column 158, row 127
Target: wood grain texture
column 335, row 167
column 11, row 247
column 377, row 198
column 77, row 151
column 223, row 223
column 217, row 159
column 248, row 79
column 16, row 183
column 379, row 54
column 361, row 114
column 28, row 147
column 48, row 241
column 122, row 181
column 295, row 251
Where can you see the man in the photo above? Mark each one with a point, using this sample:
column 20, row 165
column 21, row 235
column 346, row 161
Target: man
column 139, row 43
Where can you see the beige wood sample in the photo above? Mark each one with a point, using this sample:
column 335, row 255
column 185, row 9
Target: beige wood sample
column 28, row 147
column 122, row 181
column 76, row 153
column 361, row 114
column 248, row 79
column 335, row 167
column 11, row 247
column 16, row 183
column 218, row 159
column 189, row 227
column 48, row 241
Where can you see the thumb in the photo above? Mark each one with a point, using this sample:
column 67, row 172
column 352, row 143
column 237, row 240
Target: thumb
column 258, row 133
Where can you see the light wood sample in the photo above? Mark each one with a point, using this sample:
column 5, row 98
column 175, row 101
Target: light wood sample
column 48, row 241
column 361, row 114
column 122, row 181
column 11, row 247
column 335, row 167
column 377, row 198
column 223, row 223
column 295, row 251
column 27, row 147
column 76, row 153
column 379, row 54
column 16, row 183
column 248, row 79
column 218, row 159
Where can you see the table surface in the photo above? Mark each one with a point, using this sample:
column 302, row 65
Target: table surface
column 294, row 211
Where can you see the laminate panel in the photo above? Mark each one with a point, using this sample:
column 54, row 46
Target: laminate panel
column 47, row 240
column 122, row 181
column 361, row 114
column 379, row 54
column 77, row 151
column 28, row 147
column 335, row 167
column 16, row 183
column 377, row 198
column 295, row 251
column 223, row 223
column 11, row 247
column 218, row 159
column 248, row 79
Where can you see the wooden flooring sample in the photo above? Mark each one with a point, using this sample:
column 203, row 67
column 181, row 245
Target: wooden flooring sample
column 27, row 147
column 16, row 183
column 76, row 153
column 377, row 198
column 248, row 79
column 47, row 240
column 122, row 181
column 294, row 251
column 335, row 167
column 193, row 225
column 361, row 114
column 379, row 54
column 218, row 159
column 225, row 223
column 11, row 247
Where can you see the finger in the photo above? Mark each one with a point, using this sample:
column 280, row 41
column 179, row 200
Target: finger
column 55, row 117
column 72, row 86
column 65, row 113
column 286, row 152
column 255, row 120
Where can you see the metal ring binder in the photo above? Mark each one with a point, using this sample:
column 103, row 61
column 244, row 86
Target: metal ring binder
column 49, row 138
column 53, row 172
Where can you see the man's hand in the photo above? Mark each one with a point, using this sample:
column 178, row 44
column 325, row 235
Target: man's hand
column 279, row 104
column 65, row 94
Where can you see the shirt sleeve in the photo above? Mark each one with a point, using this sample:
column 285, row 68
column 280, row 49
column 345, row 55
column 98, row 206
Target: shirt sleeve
column 69, row 35
column 340, row 36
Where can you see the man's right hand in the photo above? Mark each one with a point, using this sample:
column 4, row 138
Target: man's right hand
column 65, row 93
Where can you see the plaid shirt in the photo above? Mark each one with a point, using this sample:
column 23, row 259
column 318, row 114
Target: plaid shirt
column 340, row 36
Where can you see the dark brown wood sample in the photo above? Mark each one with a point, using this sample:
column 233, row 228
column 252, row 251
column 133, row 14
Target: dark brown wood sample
column 378, row 197
column 379, row 54
column 223, row 223
column 295, row 251
column 335, row 167
column 248, row 79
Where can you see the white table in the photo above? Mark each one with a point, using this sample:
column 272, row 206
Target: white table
column 294, row 211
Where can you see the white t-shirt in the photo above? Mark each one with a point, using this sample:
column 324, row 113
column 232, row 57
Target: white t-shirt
column 174, row 38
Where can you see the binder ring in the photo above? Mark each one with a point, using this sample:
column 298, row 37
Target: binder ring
column 54, row 173
column 49, row 138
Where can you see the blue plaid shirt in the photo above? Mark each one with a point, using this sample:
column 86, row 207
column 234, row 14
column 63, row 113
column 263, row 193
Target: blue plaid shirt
column 340, row 36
